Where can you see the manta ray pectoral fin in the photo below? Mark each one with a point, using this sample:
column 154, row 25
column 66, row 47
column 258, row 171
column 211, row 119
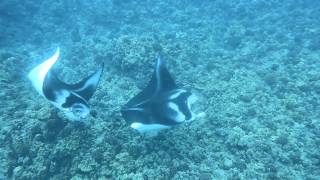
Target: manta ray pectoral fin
column 38, row 74
column 144, row 128
column 136, row 115
column 161, row 81
column 87, row 86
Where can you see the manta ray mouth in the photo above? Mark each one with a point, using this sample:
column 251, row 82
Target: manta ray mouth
column 192, row 99
column 75, row 114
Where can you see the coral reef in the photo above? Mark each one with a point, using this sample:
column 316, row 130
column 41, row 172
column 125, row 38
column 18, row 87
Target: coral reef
column 254, row 65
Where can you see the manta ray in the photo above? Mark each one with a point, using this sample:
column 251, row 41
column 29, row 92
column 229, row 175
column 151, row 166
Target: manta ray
column 162, row 104
column 73, row 99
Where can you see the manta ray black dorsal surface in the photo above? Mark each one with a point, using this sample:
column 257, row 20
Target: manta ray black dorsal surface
column 83, row 89
column 71, row 98
column 160, row 105
column 160, row 82
column 88, row 86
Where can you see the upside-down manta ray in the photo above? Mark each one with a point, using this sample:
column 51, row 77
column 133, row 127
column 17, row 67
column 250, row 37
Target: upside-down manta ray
column 162, row 104
column 70, row 98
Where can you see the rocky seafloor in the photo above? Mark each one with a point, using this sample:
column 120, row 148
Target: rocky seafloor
column 254, row 64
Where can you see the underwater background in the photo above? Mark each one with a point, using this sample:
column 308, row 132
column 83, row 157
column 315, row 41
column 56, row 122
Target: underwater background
column 254, row 63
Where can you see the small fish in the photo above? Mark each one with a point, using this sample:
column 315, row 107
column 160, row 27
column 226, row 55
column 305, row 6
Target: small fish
column 70, row 98
column 162, row 104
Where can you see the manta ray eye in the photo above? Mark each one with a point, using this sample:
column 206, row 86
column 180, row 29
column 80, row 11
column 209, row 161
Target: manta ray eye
column 80, row 110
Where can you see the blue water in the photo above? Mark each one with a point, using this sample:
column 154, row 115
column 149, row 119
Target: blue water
column 253, row 64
